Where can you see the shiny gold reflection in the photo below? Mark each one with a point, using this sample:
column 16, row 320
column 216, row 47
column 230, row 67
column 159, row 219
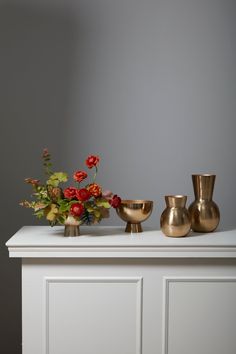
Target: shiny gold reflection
column 134, row 212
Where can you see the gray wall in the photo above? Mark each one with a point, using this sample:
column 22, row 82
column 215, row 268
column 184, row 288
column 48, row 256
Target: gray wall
column 149, row 85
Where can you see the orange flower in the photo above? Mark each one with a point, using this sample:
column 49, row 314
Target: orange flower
column 95, row 190
column 79, row 176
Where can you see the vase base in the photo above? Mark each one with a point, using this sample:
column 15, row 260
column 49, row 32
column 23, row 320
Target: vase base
column 133, row 228
column 71, row 231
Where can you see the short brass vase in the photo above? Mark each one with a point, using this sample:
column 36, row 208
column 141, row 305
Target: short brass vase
column 71, row 227
column 175, row 219
column 204, row 213
column 133, row 212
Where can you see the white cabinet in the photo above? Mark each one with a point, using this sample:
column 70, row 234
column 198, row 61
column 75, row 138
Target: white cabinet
column 108, row 292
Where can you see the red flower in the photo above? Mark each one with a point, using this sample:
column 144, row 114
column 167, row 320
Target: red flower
column 83, row 194
column 79, row 176
column 115, row 201
column 92, row 161
column 76, row 209
column 95, row 190
column 70, row 192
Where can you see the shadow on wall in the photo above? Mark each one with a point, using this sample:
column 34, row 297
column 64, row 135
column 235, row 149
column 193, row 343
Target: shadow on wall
column 36, row 66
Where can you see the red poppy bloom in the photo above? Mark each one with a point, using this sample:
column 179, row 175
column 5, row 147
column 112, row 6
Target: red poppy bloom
column 92, row 161
column 76, row 209
column 115, row 201
column 70, row 192
column 83, row 194
column 79, row 176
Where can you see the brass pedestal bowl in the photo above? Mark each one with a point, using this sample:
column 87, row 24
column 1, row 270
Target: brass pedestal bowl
column 134, row 212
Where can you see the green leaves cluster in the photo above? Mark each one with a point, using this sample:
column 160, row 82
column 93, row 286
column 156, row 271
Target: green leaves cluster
column 47, row 162
column 56, row 178
column 47, row 197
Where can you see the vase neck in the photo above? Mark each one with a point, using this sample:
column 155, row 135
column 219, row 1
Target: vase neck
column 203, row 186
column 71, row 220
column 175, row 201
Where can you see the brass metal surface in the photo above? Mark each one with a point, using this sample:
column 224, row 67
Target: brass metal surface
column 134, row 212
column 71, row 230
column 175, row 219
column 133, row 228
column 203, row 186
column 204, row 212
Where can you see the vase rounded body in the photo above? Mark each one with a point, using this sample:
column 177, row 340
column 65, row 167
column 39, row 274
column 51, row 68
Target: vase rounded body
column 175, row 219
column 204, row 212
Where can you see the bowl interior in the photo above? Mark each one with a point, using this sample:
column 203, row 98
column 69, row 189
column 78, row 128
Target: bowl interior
column 135, row 211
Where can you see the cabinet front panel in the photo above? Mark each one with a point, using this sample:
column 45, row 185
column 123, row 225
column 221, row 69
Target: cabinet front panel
column 200, row 315
column 93, row 315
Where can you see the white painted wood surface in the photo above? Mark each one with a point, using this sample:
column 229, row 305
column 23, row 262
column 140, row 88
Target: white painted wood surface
column 43, row 241
column 119, row 300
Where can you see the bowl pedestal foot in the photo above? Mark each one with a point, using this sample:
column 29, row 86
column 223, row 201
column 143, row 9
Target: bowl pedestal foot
column 133, row 228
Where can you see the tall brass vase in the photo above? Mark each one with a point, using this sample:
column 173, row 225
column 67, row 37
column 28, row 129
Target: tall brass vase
column 204, row 213
column 175, row 219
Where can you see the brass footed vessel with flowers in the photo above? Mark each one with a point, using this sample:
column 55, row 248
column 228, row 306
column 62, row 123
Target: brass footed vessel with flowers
column 74, row 205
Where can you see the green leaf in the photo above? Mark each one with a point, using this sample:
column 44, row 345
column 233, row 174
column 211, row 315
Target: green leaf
column 61, row 176
column 102, row 203
column 61, row 219
column 56, row 178
column 39, row 214
column 63, row 208
column 64, row 205
column 97, row 214
column 87, row 218
column 90, row 209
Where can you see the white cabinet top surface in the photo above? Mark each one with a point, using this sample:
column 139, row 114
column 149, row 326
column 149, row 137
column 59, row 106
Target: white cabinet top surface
column 109, row 242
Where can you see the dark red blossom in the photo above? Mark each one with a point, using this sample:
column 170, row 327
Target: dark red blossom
column 92, row 161
column 83, row 194
column 70, row 192
column 76, row 209
column 115, row 201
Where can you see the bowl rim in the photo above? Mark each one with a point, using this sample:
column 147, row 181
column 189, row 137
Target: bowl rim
column 136, row 201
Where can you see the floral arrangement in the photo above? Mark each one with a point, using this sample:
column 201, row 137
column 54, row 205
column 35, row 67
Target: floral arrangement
column 86, row 204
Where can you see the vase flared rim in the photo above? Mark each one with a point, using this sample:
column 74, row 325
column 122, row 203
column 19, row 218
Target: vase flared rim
column 177, row 196
column 203, row 175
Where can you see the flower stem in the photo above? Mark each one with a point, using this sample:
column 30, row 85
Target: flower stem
column 95, row 174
